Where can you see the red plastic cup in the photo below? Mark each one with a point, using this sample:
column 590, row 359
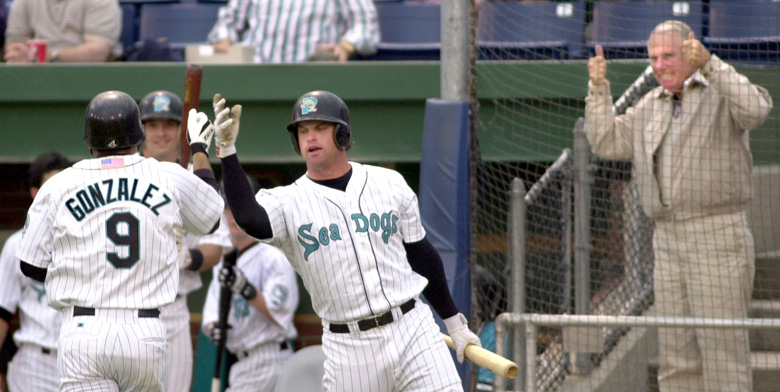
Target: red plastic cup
column 38, row 49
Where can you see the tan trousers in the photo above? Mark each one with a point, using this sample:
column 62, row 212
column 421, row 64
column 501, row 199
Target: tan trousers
column 704, row 267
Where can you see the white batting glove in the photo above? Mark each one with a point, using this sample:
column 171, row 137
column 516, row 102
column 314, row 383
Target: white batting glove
column 199, row 132
column 233, row 278
column 214, row 333
column 226, row 121
column 458, row 329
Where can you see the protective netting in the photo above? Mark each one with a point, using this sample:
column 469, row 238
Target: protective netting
column 533, row 57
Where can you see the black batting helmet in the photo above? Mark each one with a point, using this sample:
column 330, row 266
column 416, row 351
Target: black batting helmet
column 161, row 104
column 321, row 106
column 112, row 122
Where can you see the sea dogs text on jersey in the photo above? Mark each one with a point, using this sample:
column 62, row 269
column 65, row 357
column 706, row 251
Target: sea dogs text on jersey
column 311, row 241
column 112, row 190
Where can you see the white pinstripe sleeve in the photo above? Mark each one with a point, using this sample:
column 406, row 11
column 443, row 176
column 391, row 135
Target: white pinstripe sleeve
column 410, row 224
column 35, row 245
column 201, row 206
column 11, row 289
column 363, row 24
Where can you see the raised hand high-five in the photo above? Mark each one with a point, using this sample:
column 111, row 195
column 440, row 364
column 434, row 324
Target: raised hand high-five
column 226, row 122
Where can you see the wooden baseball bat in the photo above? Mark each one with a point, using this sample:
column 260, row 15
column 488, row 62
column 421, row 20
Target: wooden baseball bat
column 489, row 360
column 191, row 101
column 225, row 296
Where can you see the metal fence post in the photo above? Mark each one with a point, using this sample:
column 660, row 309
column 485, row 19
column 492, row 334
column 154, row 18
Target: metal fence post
column 517, row 237
column 583, row 181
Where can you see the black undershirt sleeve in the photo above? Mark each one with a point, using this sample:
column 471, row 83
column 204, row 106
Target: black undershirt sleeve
column 250, row 216
column 33, row 272
column 5, row 315
column 208, row 177
column 426, row 261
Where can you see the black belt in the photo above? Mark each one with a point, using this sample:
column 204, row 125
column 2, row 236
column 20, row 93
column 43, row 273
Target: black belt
column 373, row 322
column 142, row 313
column 243, row 354
column 45, row 350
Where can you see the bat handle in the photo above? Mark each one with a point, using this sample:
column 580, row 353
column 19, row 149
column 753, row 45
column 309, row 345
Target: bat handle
column 216, row 385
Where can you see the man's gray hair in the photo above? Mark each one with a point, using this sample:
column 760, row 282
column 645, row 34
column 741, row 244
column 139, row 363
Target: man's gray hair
column 677, row 26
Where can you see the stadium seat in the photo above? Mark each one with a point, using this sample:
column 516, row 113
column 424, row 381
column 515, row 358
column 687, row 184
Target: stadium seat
column 141, row 2
column 129, row 34
column 303, row 371
column 746, row 30
column 410, row 31
column 531, row 30
column 180, row 24
column 622, row 28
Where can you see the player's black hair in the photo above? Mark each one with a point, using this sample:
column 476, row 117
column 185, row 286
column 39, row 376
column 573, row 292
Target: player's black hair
column 45, row 163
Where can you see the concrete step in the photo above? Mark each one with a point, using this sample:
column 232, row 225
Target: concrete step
column 764, row 339
column 766, row 284
column 766, row 372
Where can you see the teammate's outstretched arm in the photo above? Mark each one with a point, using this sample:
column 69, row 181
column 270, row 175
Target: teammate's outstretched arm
column 253, row 218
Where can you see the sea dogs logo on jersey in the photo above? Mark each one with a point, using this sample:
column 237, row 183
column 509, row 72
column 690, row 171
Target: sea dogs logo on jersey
column 386, row 223
column 308, row 105
column 162, row 104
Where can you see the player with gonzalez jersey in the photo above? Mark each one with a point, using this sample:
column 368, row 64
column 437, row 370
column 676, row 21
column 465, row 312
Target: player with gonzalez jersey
column 100, row 234
column 354, row 234
column 34, row 367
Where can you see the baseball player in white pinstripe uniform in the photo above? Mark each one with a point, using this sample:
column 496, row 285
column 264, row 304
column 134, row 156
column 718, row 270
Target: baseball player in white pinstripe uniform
column 353, row 233
column 34, row 367
column 101, row 236
column 261, row 311
column 161, row 115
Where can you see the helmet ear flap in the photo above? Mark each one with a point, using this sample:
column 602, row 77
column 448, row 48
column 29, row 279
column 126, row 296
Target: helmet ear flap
column 342, row 136
column 294, row 141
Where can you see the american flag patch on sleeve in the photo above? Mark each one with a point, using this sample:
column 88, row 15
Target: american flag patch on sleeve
column 112, row 163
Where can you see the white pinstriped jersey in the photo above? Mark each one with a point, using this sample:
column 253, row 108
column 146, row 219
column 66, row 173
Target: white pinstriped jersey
column 348, row 246
column 268, row 270
column 104, row 230
column 38, row 323
column 287, row 31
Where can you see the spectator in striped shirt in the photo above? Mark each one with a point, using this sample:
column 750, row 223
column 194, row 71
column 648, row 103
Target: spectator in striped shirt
column 295, row 31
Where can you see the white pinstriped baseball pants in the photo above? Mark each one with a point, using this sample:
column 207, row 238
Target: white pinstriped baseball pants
column 704, row 267
column 33, row 371
column 408, row 354
column 176, row 317
column 258, row 369
column 114, row 350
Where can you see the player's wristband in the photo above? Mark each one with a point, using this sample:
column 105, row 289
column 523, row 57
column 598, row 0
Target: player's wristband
column 225, row 151
column 197, row 259
column 249, row 292
column 199, row 147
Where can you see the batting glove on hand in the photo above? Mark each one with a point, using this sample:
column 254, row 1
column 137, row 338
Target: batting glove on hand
column 227, row 120
column 215, row 333
column 461, row 335
column 234, row 279
column 199, row 132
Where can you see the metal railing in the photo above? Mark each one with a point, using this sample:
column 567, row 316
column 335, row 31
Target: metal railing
column 531, row 323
